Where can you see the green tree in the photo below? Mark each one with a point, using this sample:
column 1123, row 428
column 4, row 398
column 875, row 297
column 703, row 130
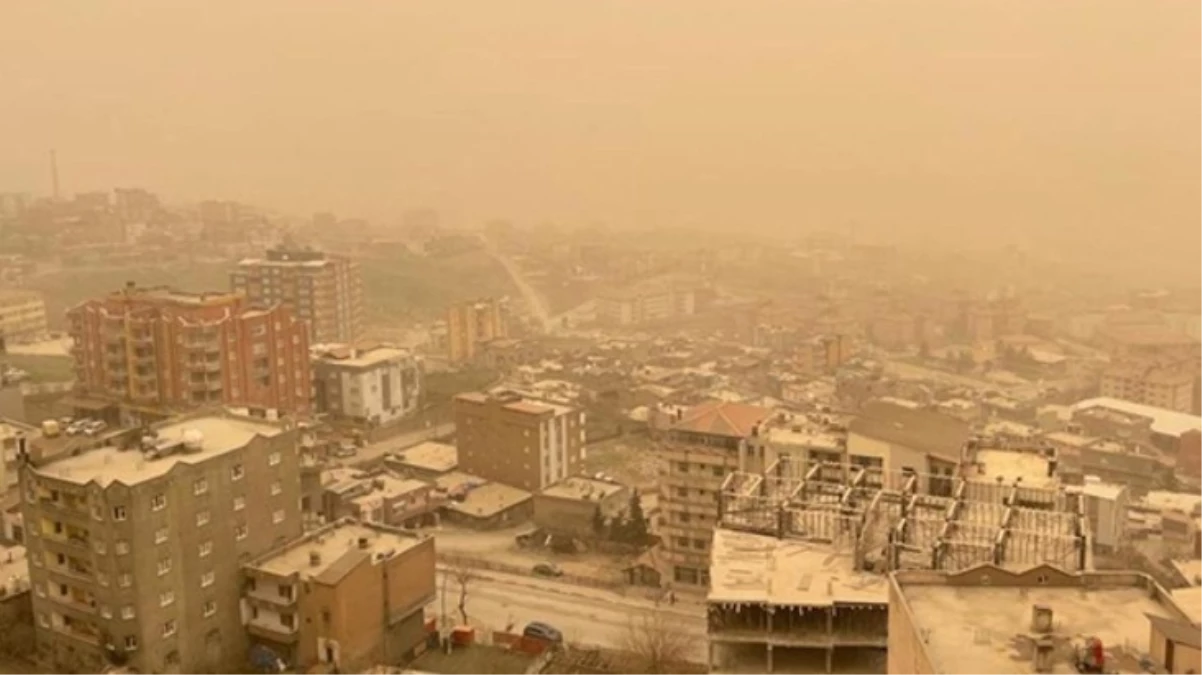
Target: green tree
column 636, row 521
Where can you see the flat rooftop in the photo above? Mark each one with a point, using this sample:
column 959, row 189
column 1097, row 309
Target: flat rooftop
column 107, row 465
column 385, row 486
column 429, row 456
column 582, row 488
column 489, row 499
column 760, row 569
column 1168, row 422
column 806, row 437
column 352, row 357
column 983, row 629
column 1009, row 465
column 338, row 550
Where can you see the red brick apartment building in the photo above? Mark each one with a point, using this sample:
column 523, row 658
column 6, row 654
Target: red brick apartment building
column 157, row 350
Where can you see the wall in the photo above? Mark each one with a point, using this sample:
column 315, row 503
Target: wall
column 905, row 653
column 1185, row 659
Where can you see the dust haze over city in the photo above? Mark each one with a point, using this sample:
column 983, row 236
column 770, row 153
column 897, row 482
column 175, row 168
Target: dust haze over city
column 675, row 337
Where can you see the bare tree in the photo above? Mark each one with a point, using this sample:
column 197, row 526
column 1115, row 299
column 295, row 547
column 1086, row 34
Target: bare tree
column 463, row 575
column 656, row 641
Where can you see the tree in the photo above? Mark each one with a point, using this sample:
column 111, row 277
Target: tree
column 463, row 576
column 656, row 641
column 635, row 530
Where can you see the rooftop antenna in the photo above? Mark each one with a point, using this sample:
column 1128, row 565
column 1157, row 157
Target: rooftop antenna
column 54, row 173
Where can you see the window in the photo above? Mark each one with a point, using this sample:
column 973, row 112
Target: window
column 44, row 620
column 237, row 472
column 240, row 532
column 166, row 598
column 106, row 612
column 288, row 620
column 206, row 579
column 118, row 513
column 127, row 612
column 169, row 628
column 239, row 503
column 131, row 642
column 202, row 518
column 160, row 535
column 125, row 580
column 277, row 517
column 210, row 608
column 158, row 502
column 99, row 547
column 200, row 487
column 101, row 578
column 273, row 459
column 164, row 566
column 276, row 488
column 206, row 548
column 682, row 467
column 122, row 547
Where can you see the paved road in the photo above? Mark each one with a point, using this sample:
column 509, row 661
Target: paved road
column 588, row 616
column 375, row 451
column 533, row 299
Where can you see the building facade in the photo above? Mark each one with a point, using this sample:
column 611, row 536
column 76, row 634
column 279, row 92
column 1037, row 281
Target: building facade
column 134, row 553
column 471, row 324
column 22, row 316
column 519, row 442
column 377, row 385
column 347, row 596
column 652, row 301
column 1168, row 385
column 703, row 445
column 325, row 291
column 156, row 349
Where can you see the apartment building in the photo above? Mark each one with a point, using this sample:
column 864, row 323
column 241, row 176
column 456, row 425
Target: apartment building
column 14, row 436
column 822, row 354
column 516, row 441
column 22, row 316
column 473, row 323
column 702, row 446
column 656, row 300
column 154, row 350
column 375, row 385
column 899, row 439
column 1156, row 382
column 325, row 291
column 135, row 551
column 345, row 597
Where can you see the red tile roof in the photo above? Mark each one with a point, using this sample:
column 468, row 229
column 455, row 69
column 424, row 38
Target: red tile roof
column 722, row 418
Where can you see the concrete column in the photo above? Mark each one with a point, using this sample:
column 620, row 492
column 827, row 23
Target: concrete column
column 770, row 659
column 709, row 655
column 830, row 657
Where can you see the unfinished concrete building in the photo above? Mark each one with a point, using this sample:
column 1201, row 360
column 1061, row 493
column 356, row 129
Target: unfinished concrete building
column 798, row 562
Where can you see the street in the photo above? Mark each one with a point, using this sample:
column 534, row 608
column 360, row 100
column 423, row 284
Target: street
column 585, row 616
column 369, row 454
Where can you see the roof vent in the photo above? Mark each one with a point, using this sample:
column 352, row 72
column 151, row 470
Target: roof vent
column 363, row 542
column 314, row 559
column 1041, row 619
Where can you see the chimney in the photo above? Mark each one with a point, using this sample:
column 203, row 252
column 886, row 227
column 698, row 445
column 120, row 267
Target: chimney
column 1044, row 648
column 1052, row 463
column 1041, row 619
column 363, row 542
column 314, row 559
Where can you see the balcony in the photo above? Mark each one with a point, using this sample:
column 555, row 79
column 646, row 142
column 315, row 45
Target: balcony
column 79, row 630
column 72, row 570
column 69, row 539
column 268, row 593
column 76, row 600
column 268, row 628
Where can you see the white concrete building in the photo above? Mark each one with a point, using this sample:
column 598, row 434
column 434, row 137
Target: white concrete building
column 22, row 316
column 375, row 385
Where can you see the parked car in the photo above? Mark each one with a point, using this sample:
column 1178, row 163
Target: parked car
column 78, row 426
column 95, row 427
column 548, row 570
column 541, row 631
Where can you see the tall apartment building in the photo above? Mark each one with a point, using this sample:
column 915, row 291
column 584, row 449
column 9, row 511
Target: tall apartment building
column 326, row 291
column 1162, row 383
column 470, row 324
column 702, row 446
column 347, row 596
column 155, row 350
column 22, row 316
column 516, row 441
column 375, row 385
column 135, row 552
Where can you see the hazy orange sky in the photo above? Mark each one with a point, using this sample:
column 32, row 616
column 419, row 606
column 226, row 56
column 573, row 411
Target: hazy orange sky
column 936, row 118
